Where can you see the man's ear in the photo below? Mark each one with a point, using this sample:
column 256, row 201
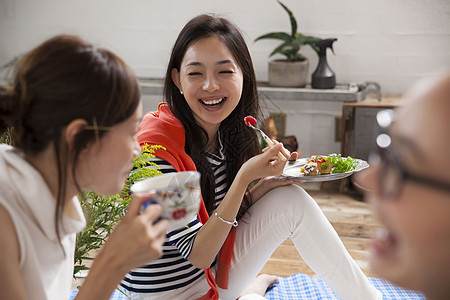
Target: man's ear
column 74, row 127
column 176, row 78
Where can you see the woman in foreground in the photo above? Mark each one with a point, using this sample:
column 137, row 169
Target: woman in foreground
column 74, row 110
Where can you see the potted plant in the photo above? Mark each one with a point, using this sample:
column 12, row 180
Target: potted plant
column 292, row 71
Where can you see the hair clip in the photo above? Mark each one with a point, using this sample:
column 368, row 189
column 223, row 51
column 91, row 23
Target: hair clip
column 96, row 129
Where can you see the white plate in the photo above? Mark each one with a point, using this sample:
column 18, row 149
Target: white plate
column 292, row 171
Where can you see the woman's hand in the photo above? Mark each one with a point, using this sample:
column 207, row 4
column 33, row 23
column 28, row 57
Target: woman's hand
column 267, row 184
column 213, row 233
column 135, row 241
column 263, row 165
column 268, row 163
column 290, row 156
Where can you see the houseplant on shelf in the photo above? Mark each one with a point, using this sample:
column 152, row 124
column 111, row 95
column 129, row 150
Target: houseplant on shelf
column 292, row 71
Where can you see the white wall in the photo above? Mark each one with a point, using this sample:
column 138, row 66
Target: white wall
column 389, row 41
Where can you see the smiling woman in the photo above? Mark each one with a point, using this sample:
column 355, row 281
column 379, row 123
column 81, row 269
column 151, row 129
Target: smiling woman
column 210, row 88
column 211, row 84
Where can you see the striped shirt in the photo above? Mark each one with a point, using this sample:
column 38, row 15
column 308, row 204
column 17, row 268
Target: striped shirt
column 173, row 270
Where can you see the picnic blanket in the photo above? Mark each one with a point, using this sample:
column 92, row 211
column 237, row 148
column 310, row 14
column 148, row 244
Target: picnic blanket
column 302, row 286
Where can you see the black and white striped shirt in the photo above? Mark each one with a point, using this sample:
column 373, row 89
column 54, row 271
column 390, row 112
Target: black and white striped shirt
column 173, row 270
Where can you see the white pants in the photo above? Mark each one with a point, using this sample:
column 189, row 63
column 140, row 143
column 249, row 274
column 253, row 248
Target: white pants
column 285, row 212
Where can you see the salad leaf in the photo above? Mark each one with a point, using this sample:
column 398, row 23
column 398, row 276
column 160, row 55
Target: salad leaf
column 342, row 164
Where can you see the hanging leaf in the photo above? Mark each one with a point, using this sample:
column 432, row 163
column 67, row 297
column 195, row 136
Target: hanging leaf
column 277, row 36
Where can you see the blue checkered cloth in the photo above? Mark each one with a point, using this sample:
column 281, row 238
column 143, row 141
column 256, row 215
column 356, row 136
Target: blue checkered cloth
column 302, row 286
column 117, row 295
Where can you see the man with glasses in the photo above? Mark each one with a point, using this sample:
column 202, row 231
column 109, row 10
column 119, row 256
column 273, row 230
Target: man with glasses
column 408, row 187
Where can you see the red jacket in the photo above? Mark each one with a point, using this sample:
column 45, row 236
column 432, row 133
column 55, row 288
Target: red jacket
column 162, row 128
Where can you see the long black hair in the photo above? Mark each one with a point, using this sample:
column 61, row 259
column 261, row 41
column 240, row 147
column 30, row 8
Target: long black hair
column 240, row 142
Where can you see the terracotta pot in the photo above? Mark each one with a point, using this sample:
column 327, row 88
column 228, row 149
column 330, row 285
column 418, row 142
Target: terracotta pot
column 288, row 74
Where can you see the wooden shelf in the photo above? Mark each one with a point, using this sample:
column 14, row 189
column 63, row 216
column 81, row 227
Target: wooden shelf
column 348, row 118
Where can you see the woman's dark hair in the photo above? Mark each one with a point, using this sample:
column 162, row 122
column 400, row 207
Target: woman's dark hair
column 63, row 79
column 240, row 142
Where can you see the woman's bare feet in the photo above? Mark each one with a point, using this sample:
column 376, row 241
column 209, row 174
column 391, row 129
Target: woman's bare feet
column 260, row 285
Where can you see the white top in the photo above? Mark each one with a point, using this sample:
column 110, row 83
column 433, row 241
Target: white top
column 46, row 270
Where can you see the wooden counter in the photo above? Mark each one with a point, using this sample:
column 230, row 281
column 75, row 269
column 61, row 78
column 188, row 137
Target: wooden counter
column 348, row 118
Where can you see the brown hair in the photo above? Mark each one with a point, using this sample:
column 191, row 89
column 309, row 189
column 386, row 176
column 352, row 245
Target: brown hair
column 240, row 142
column 63, row 79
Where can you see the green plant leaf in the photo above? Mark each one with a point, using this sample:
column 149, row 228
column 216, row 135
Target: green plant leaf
column 6, row 137
column 298, row 57
column 289, row 51
column 276, row 35
column 310, row 40
column 283, row 49
column 79, row 268
column 292, row 19
column 315, row 48
column 305, row 40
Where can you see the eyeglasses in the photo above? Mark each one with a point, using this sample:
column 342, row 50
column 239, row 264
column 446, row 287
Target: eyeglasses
column 393, row 173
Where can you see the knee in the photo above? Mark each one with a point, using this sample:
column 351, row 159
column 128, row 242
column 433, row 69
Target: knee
column 292, row 198
column 294, row 194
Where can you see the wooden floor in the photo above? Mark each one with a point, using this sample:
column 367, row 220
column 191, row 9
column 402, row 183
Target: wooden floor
column 352, row 220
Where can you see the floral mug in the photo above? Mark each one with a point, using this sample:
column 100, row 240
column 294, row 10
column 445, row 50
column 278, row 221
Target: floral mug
column 178, row 193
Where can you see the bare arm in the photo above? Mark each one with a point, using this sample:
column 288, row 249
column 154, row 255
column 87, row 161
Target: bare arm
column 133, row 243
column 213, row 233
column 11, row 284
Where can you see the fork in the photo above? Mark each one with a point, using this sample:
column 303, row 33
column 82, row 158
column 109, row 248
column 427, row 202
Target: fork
column 268, row 140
